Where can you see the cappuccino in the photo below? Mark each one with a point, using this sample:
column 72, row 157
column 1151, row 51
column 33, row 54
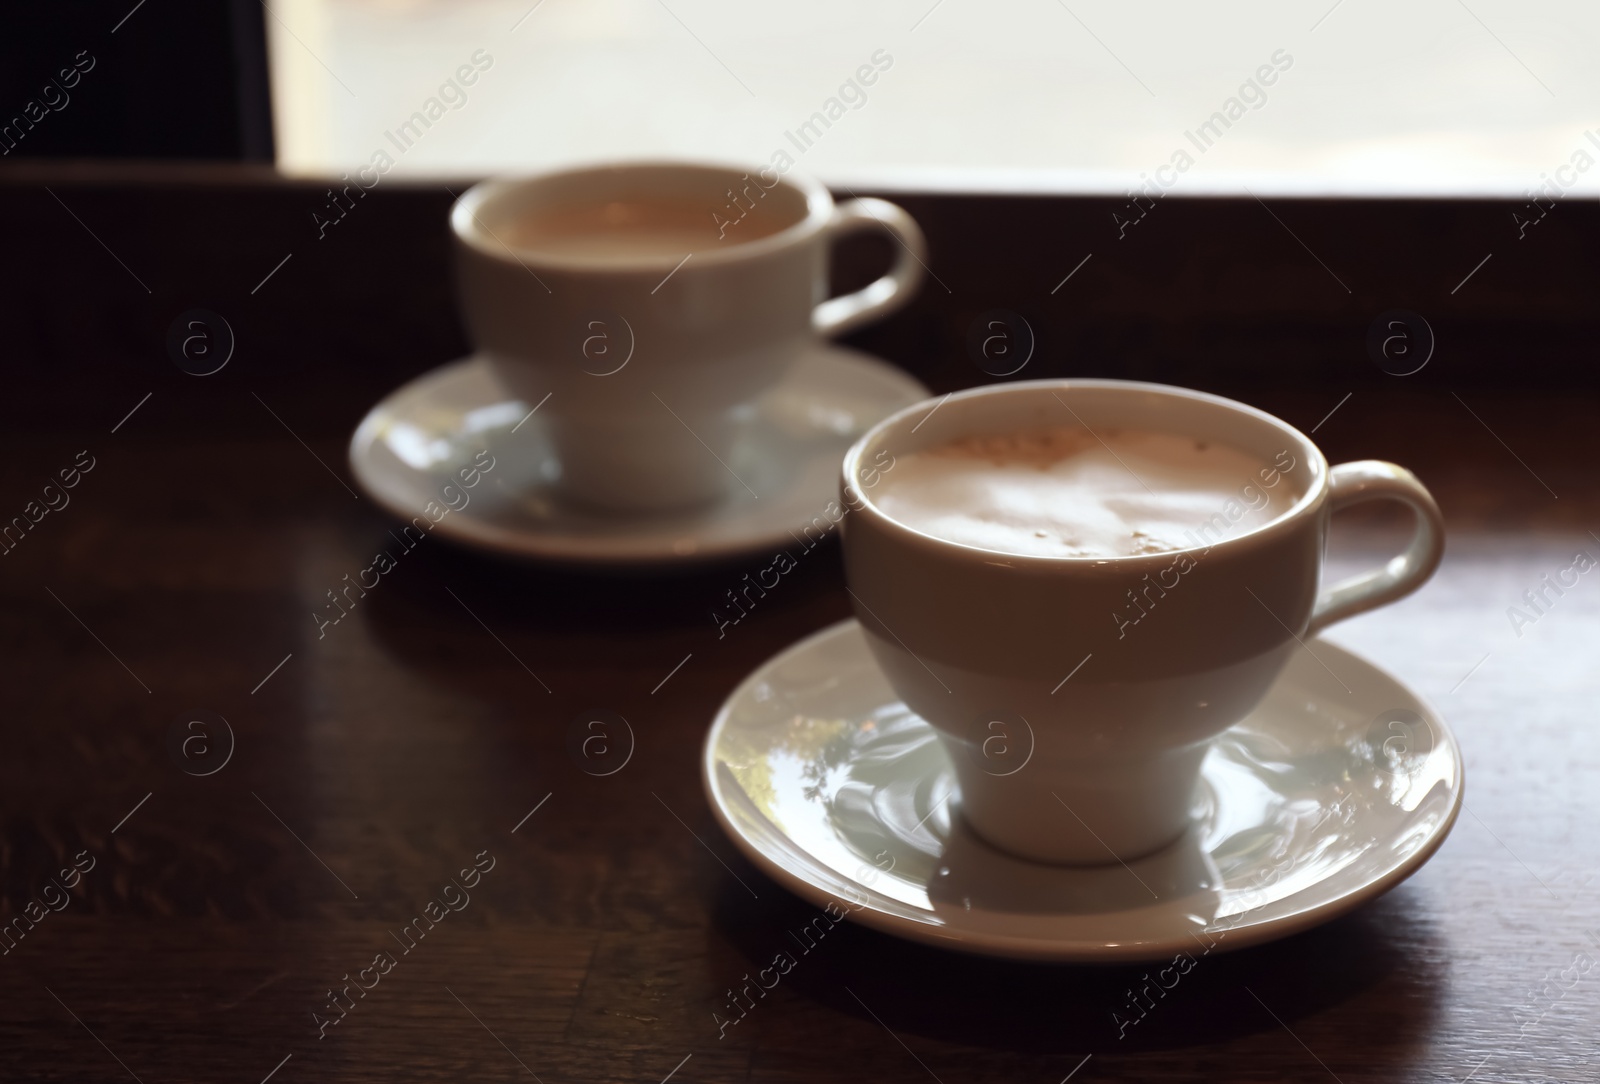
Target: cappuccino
column 639, row 228
column 1072, row 493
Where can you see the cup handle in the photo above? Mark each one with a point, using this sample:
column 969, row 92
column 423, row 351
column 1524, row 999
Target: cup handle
column 838, row 315
column 1371, row 480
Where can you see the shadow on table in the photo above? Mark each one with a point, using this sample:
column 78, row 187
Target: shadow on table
column 1066, row 1009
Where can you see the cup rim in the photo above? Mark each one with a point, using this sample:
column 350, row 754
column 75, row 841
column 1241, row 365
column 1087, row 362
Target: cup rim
column 470, row 230
column 1263, row 534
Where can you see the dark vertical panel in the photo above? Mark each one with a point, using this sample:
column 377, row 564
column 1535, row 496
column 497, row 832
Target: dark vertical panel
column 247, row 20
column 174, row 79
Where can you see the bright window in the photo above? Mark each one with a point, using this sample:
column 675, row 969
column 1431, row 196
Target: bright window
column 1444, row 97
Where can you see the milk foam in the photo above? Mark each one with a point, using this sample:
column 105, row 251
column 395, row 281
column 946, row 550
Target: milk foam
column 1072, row 493
column 628, row 230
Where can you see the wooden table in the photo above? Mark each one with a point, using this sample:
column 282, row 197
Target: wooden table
column 427, row 732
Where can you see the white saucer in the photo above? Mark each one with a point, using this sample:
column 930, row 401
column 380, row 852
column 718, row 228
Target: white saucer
column 410, row 445
column 837, row 791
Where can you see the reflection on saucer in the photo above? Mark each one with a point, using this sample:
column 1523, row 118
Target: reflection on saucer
column 899, row 801
column 840, row 792
column 787, row 458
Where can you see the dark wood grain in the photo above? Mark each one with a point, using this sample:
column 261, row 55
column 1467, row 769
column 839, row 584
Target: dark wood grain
column 384, row 757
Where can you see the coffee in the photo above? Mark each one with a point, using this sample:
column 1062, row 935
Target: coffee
column 623, row 231
column 1073, row 493
column 1103, row 673
column 562, row 274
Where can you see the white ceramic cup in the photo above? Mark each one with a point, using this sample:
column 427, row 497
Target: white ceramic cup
column 1076, row 733
column 652, row 361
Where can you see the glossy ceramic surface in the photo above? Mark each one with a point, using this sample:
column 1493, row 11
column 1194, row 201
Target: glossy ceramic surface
column 1320, row 800
column 717, row 323
column 1114, row 671
column 410, row 446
